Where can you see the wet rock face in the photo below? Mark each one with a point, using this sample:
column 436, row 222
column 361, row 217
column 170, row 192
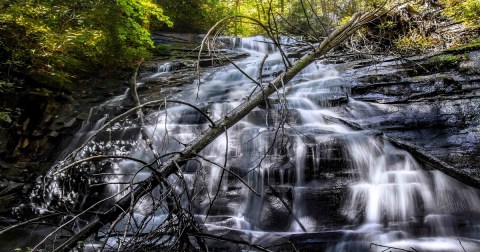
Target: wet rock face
column 435, row 108
column 471, row 66
column 44, row 120
column 45, row 123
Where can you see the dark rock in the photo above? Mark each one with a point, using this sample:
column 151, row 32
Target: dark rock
column 35, row 232
column 38, row 133
column 48, row 119
column 70, row 123
column 472, row 65
column 53, row 134
column 434, row 108
column 378, row 78
column 8, row 187
column 82, row 116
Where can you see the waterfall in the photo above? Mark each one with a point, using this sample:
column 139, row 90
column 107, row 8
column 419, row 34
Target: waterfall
column 311, row 173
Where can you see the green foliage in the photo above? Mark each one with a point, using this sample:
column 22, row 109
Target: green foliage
column 387, row 25
column 5, row 117
column 162, row 48
column 414, row 42
column 297, row 17
column 466, row 11
column 127, row 37
column 193, row 15
column 212, row 11
column 6, row 87
column 311, row 18
column 80, row 246
column 419, row 27
column 473, row 45
column 37, row 40
column 200, row 15
column 53, row 41
column 6, row 113
column 443, row 62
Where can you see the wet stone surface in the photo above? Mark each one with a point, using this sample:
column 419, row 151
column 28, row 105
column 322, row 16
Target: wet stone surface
column 438, row 110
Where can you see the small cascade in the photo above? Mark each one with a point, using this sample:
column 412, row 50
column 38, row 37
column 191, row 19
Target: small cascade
column 164, row 69
column 257, row 44
column 312, row 174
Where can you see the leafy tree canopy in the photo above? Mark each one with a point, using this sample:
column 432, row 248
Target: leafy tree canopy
column 53, row 41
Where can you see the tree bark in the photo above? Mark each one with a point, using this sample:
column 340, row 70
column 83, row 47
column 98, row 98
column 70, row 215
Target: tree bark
column 171, row 166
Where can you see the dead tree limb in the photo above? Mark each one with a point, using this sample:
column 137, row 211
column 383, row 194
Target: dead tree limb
column 231, row 173
column 394, row 248
column 235, row 241
column 171, row 166
column 140, row 115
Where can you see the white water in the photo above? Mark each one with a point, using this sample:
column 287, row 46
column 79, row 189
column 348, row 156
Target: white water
column 391, row 200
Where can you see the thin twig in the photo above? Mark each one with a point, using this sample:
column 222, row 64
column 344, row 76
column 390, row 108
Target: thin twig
column 461, row 244
column 288, row 208
column 388, row 247
column 223, row 238
column 28, row 222
column 232, row 173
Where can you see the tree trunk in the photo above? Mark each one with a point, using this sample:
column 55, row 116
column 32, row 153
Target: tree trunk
column 323, row 6
column 237, row 12
column 205, row 138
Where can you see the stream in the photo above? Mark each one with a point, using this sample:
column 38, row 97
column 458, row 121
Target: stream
column 322, row 185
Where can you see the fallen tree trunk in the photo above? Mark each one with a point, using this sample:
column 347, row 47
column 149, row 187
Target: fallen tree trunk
column 173, row 164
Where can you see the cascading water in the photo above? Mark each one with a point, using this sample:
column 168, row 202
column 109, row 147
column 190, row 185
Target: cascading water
column 313, row 174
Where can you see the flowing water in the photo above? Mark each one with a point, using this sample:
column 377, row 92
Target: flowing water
column 321, row 183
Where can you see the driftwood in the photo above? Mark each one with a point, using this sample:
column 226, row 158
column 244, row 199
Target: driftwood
column 171, row 166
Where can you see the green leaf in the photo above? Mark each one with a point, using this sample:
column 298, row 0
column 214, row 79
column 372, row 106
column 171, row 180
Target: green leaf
column 5, row 116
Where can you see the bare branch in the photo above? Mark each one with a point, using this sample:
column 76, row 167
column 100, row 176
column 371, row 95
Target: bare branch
column 28, row 222
column 388, row 247
column 223, row 238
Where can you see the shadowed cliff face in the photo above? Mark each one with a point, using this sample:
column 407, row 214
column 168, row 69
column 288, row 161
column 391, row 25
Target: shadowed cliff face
column 424, row 101
column 46, row 119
